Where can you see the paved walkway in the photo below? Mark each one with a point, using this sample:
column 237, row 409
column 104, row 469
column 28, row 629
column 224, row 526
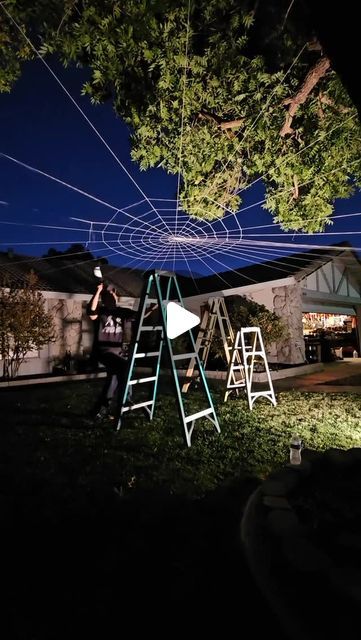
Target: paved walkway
column 321, row 381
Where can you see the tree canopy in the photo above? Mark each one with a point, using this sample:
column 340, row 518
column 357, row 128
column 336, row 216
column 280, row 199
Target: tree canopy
column 239, row 91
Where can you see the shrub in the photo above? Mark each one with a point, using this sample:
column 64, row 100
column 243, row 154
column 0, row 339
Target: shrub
column 25, row 326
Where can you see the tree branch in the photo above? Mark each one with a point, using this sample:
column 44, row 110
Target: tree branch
column 232, row 124
column 204, row 115
column 325, row 99
column 223, row 125
column 287, row 14
column 315, row 74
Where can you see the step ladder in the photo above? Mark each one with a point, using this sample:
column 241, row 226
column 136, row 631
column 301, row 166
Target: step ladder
column 236, row 376
column 249, row 344
column 162, row 287
column 215, row 314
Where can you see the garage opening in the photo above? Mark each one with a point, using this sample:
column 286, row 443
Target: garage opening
column 330, row 336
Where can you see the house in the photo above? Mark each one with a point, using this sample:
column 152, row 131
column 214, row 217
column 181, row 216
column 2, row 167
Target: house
column 320, row 289
column 320, row 286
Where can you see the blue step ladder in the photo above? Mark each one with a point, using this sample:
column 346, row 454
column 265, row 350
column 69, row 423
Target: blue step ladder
column 162, row 287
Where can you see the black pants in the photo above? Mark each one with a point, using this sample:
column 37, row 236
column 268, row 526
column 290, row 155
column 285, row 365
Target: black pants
column 116, row 377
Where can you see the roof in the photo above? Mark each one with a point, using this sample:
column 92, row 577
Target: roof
column 70, row 275
column 298, row 265
column 66, row 274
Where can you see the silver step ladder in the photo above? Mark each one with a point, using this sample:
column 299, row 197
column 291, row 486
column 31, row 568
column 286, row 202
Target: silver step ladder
column 249, row 344
column 215, row 314
column 161, row 288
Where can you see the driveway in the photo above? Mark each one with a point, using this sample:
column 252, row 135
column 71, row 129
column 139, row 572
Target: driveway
column 343, row 376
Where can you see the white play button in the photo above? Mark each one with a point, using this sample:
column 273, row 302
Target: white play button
column 179, row 320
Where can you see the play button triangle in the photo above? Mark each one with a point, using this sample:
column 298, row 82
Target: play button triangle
column 179, row 320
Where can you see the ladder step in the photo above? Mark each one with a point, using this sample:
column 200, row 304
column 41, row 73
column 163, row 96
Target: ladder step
column 200, row 414
column 184, row 356
column 236, row 386
column 258, row 394
column 249, row 352
column 151, row 328
column 254, row 330
column 237, row 367
column 136, row 406
column 149, row 354
column 141, row 380
column 151, row 300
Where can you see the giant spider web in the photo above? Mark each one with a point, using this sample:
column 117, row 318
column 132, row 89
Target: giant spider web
column 163, row 236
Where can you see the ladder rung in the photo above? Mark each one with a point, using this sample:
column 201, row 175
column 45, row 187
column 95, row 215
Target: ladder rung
column 184, row 356
column 255, row 330
column 237, row 367
column 151, row 328
column 152, row 300
column 249, row 352
column 136, row 406
column 240, row 385
column 149, row 354
column 141, row 380
column 200, row 414
column 258, row 394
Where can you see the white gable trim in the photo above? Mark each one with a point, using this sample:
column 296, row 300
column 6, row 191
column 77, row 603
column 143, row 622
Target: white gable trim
column 333, row 299
column 334, row 278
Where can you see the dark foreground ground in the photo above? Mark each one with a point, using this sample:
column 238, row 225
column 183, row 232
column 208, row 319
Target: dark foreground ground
column 152, row 563
column 129, row 533
column 79, row 556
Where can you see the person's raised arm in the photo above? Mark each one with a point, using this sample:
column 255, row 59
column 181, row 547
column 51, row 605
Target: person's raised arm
column 95, row 302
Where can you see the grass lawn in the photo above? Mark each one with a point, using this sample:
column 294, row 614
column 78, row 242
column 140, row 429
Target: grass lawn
column 111, row 525
column 46, row 433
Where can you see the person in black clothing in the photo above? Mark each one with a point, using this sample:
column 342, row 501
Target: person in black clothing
column 109, row 347
column 327, row 353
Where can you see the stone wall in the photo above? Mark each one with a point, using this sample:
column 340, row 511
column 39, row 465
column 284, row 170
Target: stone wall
column 287, row 303
column 67, row 316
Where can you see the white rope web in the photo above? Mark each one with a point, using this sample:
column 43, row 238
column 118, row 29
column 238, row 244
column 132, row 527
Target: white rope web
column 176, row 239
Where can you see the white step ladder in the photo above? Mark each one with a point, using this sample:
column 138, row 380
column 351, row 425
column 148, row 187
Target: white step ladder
column 215, row 314
column 236, row 377
column 249, row 344
column 161, row 288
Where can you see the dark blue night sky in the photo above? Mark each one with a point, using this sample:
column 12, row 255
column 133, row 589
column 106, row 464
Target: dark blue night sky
column 41, row 127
